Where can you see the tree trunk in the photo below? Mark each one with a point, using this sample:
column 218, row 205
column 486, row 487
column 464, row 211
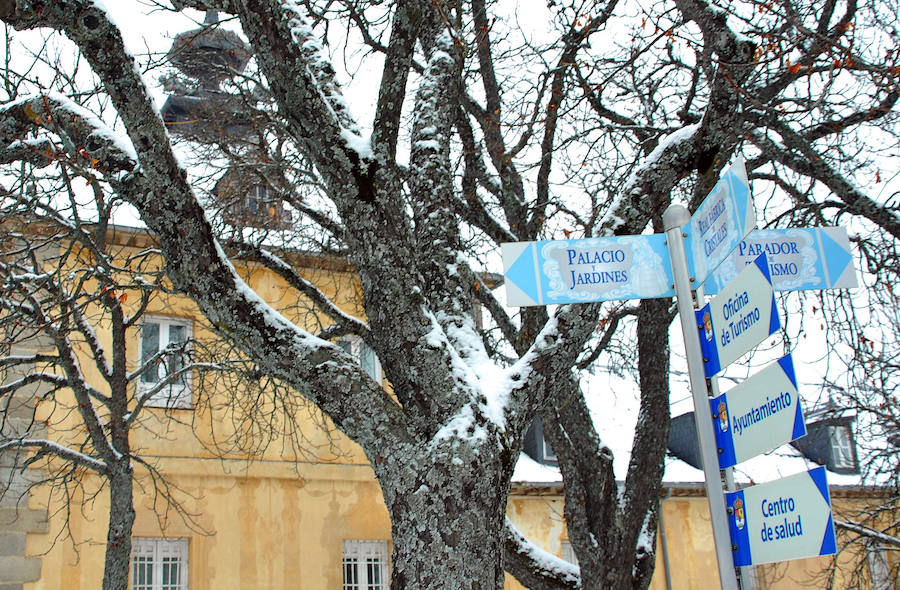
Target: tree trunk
column 121, row 521
column 447, row 518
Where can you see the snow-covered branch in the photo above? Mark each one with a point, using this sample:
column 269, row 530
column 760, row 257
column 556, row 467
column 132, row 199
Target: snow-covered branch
column 344, row 321
column 869, row 532
column 50, row 447
column 535, row 567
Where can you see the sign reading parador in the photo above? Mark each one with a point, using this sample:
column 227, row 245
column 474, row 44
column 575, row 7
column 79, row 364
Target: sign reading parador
column 799, row 259
column 789, row 518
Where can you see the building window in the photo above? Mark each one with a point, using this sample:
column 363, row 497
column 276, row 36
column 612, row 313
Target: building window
column 365, row 565
column 568, row 553
column 159, row 564
column 258, row 199
column 364, row 355
column 549, row 455
column 879, row 567
column 164, row 374
column 841, row 447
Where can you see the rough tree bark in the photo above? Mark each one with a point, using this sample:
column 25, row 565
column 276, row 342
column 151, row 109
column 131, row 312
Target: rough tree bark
column 443, row 443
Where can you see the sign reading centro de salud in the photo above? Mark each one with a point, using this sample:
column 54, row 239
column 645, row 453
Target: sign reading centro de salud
column 759, row 415
column 799, row 259
column 719, row 224
column 586, row 270
column 789, row 518
column 738, row 318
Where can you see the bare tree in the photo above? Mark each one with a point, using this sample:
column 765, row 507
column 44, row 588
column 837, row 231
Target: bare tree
column 484, row 133
column 64, row 318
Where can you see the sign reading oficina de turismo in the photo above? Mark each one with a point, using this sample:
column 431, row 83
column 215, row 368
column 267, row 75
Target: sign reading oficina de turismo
column 789, row 518
column 738, row 318
column 759, row 415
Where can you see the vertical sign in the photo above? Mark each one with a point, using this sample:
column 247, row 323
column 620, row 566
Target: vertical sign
column 719, row 224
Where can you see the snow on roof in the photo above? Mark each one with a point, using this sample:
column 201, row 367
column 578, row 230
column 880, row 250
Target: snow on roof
column 614, row 402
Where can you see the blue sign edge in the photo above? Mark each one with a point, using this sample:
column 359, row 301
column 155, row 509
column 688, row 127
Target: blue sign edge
column 523, row 267
column 711, row 365
column 762, row 263
column 740, row 539
column 787, row 366
column 829, row 542
column 724, row 440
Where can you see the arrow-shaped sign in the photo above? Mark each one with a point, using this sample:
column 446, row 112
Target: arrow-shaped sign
column 582, row 271
column 781, row 520
column 759, row 415
column 738, row 318
column 799, row 258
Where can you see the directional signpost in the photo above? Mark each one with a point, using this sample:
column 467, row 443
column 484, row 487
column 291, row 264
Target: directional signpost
column 581, row 271
column 759, row 415
column 789, row 518
column 810, row 258
column 716, row 247
column 738, row 318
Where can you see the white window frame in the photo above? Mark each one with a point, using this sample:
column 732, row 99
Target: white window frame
column 879, row 567
column 364, row 565
column 175, row 395
column 363, row 353
column 841, row 446
column 158, row 553
column 568, row 552
column 258, row 199
column 549, row 454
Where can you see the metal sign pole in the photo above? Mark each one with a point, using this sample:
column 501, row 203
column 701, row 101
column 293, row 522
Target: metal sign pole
column 745, row 574
column 674, row 219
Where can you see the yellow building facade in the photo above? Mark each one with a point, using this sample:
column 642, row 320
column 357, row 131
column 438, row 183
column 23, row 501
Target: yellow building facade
column 303, row 511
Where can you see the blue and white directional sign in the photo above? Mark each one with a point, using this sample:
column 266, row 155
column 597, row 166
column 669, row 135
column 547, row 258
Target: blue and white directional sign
column 782, row 520
column 592, row 269
column 759, row 415
column 723, row 219
column 738, row 318
column 799, row 258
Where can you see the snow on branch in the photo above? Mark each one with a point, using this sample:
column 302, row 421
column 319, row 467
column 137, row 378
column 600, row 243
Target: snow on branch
column 323, row 75
column 83, row 135
column 12, row 386
column 641, row 180
column 868, row 532
column 345, row 322
column 535, row 567
column 45, row 447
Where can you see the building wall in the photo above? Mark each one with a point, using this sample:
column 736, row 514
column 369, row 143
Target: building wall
column 266, row 526
column 279, row 520
column 261, row 526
